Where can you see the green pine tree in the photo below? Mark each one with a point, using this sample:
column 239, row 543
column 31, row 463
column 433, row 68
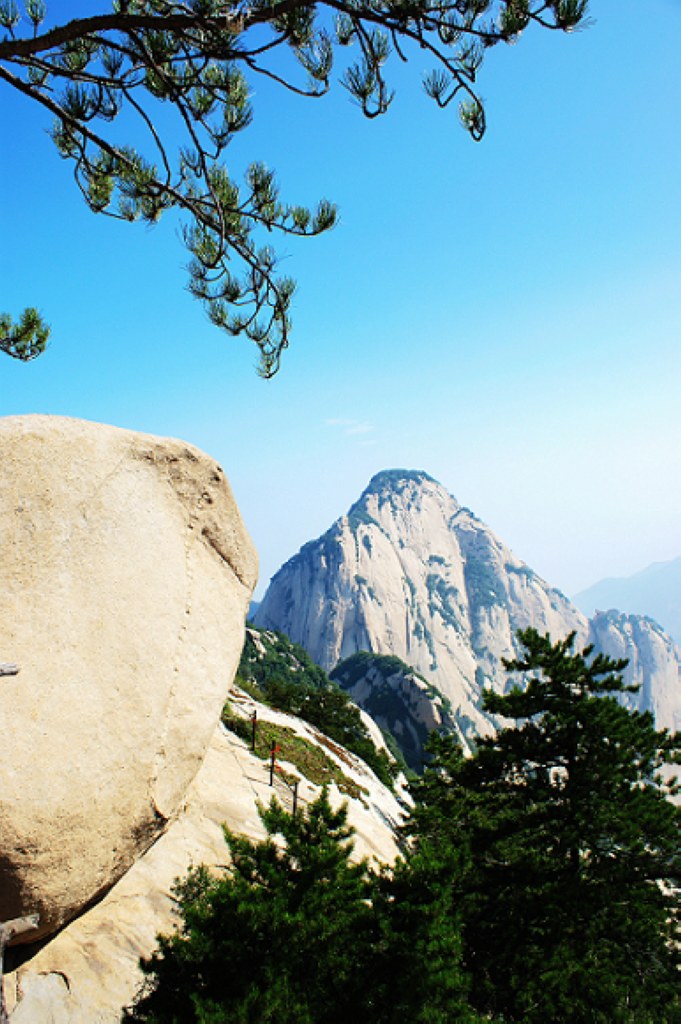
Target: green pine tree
column 283, row 936
column 417, row 969
column 26, row 339
column 297, row 933
column 567, row 840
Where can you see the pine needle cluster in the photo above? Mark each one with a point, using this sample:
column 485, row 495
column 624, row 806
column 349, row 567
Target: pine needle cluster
column 198, row 59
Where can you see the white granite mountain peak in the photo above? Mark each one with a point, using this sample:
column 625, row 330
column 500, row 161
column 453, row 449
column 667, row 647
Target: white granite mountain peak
column 409, row 571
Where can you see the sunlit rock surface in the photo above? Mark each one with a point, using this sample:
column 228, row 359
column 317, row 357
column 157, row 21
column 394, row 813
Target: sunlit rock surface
column 126, row 575
column 410, row 572
column 89, row 971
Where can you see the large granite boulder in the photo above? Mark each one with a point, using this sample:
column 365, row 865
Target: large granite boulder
column 125, row 575
column 89, row 971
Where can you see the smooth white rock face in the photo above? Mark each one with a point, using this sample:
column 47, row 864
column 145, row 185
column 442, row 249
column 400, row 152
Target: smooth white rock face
column 654, row 663
column 89, row 971
column 126, row 572
column 410, row 572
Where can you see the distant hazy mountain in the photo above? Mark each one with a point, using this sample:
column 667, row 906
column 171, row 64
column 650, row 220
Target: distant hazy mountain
column 655, row 591
column 410, row 572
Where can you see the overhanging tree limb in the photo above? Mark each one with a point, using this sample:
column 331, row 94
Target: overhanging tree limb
column 196, row 57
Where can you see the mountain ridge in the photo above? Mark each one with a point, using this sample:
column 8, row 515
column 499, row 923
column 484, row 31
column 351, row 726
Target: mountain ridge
column 409, row 571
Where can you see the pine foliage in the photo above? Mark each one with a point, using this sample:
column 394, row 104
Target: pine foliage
column 26, row 339
column 279, row 938
column 539, row 884
column 567, row 835
column 191, row 66
column 295, row 932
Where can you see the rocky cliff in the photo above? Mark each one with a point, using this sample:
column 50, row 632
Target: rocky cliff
column 654, row 662
column 410, row 572
column 398, row 699
column 90, row 970
column 126, row 575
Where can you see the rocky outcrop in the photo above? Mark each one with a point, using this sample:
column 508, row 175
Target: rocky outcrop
column 410, row 572
column 399, row 700
column 90, row 971
column 654, row 663
column 126, row 574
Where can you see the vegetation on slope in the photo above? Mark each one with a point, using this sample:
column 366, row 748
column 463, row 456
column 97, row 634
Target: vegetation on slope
column 296, row 933
column 540, row 884
column 393, row 701
column 309, row 758
column 280, row 673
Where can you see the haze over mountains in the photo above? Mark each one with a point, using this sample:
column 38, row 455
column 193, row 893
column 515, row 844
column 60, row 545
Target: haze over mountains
column 654, row 591
column 410, row 572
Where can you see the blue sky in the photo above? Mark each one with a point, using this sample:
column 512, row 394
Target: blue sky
column 504, row 315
